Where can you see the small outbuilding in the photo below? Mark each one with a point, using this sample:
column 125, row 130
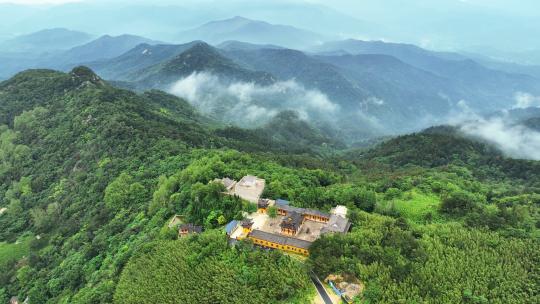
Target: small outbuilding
column 175, row 221
column 230, row 227
column 336, row 224
column 186, row 229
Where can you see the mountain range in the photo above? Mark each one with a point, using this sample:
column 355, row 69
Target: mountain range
column 48, row 40
column 396, row 87
column 251, row 31
column 483, row 85
column 199, row 57
column 351, row 89
column 104, row 47
column 64, row 54
column 98, row 172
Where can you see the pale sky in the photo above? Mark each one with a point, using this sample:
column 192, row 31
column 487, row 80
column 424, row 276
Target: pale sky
column 38, row 2
column 435, row 24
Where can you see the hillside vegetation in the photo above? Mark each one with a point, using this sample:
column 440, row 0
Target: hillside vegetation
column 203, row 269
column 97, row 172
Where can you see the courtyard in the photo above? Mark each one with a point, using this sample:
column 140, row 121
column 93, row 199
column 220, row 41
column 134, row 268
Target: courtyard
column 309, row 231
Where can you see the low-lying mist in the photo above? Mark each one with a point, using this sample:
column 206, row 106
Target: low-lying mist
column 526, row 100
column 247, row 104
column 516, row 141
column 510, row 136
column 250, row 104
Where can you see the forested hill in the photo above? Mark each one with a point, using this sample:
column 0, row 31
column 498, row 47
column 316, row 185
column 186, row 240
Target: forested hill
column 446, row 146
column 198, row 58
column 90, row 176
column 75, row 131
column 64, row 138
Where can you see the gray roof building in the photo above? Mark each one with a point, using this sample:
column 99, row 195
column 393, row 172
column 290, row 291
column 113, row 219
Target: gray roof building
column 336, row 224
column 293, row 220
column 263, row 203
column 279, row 239
column 190, row 228
column 303, row 211
column 228, row 183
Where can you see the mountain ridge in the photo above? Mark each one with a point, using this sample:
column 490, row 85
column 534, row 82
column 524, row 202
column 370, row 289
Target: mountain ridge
column 252, row 31
column 200, row 57
column 47, row 40
column 104, row 47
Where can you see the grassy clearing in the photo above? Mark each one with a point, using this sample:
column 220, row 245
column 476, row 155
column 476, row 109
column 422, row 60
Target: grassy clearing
column 415, row 206
column 14, row 251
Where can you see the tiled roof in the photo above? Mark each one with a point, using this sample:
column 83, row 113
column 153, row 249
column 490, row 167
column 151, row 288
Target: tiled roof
column 304, row 210
column 227, row 182
column 230, row 226
column 249, row 181
column 292, row 220
column 282, row 202
column 336, row 223
column 263, row 203
column 279, row 239
column 191, row 228
column 247, row 223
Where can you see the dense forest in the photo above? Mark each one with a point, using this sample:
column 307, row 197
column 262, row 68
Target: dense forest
column 90, row 175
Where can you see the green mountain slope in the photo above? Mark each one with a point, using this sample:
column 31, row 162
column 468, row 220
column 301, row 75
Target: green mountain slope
column 445, row 146
column 138, row 58
column 201, row 57
column 90, row 176
column 64, row 140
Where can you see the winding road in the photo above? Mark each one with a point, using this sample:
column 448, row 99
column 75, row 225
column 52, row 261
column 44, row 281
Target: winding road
column 320, row 289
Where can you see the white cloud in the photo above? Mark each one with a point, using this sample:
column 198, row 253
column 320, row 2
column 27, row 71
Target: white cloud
column 515, row 140
column 375, row 101
column 526, row 100
column 246, row 103
column 461, row 113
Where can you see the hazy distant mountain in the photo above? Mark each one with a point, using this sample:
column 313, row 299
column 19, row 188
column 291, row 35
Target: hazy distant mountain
column 533, row 123
column 401, row 93
column 252, row 31
column 37, row 50
column 162, row 21
column 138, row 58
column 375, row 93
column 531, row 57
column 482, row 87
column 526, row 58
column 45, row 41
column 507, row 66
column 412, row 53
column 233, row 45
column 314, row 74
column 379, row 86
column 517, row 115
column 104, row 47
column 200, row 57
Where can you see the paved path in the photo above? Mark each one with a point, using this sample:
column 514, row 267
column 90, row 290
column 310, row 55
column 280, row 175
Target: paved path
column 320, row 289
